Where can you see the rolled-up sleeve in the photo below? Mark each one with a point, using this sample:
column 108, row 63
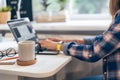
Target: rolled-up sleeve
column 98, row 49
column 66, row 47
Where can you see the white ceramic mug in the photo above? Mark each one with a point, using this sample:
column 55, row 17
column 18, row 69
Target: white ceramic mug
column 26, row 50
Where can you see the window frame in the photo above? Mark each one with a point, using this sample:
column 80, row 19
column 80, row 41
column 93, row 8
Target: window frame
column 90, row 17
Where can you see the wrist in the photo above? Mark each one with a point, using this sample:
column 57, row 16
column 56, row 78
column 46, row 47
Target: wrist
column 59, row 46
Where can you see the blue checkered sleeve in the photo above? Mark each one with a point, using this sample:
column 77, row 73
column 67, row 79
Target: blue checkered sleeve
column 90, row 40
column 98, row 47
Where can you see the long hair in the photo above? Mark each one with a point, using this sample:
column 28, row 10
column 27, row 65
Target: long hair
column 114, row 6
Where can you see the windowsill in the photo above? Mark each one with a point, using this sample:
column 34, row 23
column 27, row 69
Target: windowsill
column 87, row 25
column 82, row 25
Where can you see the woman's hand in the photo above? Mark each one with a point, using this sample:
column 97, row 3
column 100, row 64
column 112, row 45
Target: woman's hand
column 79, row 41
column 55, row 39
column 48, row 44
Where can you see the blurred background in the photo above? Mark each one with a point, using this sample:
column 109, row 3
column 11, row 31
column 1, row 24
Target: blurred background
column 64, row 19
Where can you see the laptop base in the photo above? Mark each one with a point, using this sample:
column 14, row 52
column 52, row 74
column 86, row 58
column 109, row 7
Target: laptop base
column 48, row 53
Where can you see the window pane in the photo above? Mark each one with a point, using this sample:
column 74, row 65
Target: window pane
column 47, row 5
column 78, row 9
column 89, row 6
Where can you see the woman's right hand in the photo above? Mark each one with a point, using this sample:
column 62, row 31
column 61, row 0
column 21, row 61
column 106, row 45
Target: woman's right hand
column 79, row 41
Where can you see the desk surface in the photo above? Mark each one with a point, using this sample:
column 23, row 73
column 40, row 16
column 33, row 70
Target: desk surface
column 46, row 66
column 8, row 44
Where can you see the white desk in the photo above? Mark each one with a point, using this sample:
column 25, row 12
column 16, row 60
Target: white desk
column 8, row 44
column 46, row 66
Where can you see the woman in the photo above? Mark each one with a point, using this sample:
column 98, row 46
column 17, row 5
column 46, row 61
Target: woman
column 105, row 46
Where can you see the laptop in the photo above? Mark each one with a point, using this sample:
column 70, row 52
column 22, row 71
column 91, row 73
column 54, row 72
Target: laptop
column 22, row 30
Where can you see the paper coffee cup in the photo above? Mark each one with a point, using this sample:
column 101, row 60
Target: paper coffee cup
column 26, row 50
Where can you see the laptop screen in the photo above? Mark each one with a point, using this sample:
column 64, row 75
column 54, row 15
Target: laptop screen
column 22, row 29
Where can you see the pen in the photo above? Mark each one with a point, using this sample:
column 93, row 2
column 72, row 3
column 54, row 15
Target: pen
column 9, row 58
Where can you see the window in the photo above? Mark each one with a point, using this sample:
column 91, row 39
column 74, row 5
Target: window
column 89, row 9
column 89, row 6
column 46, row 5
column 2, row 3
column 77, row 9
column 80, row 9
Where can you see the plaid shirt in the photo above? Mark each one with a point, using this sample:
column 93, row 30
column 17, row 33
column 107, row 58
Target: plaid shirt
column 105, row 46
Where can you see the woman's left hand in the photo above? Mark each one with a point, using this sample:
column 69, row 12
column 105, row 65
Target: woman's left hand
column 48, row 44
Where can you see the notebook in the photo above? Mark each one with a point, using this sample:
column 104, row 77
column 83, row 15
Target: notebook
column 22, row 30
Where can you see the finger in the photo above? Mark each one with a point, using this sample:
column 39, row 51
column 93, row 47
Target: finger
column 51, row 38
column 54, row 39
